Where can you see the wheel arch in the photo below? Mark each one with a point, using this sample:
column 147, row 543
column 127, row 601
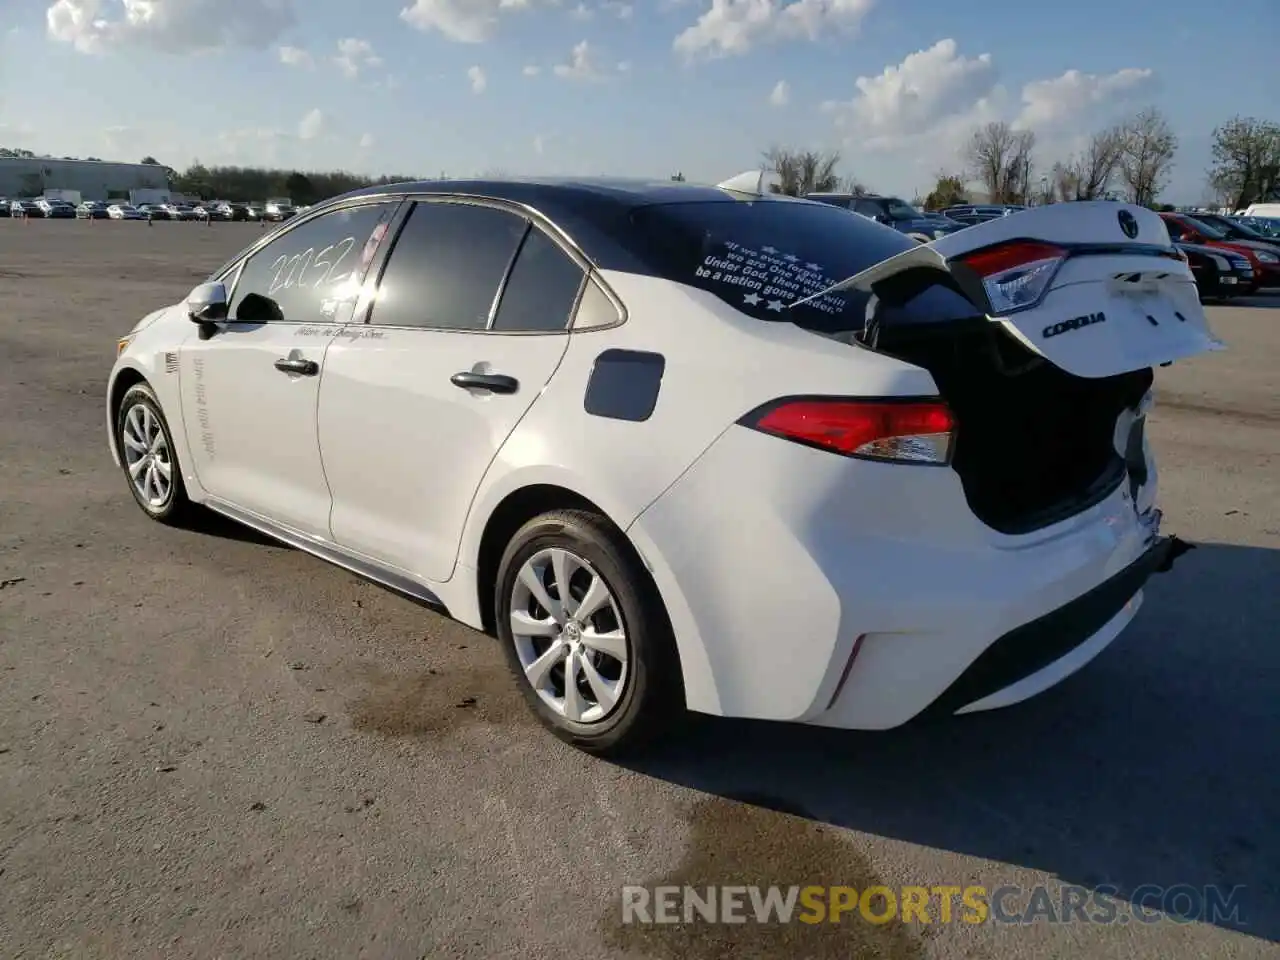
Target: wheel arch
column 511, row 513
column 125, row 378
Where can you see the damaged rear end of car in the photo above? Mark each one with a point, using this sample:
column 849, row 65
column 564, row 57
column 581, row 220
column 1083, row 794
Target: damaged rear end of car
column 951, row 551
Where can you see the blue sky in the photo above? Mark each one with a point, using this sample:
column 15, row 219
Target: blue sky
column 610, row 86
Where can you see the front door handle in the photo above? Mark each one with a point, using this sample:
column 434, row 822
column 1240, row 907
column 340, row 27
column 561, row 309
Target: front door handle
column 493, row 382
column 308, row 368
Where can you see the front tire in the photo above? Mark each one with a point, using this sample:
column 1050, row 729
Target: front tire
column 149, row 458
column 572, row 600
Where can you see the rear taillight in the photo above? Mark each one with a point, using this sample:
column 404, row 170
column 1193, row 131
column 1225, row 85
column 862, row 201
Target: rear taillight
column 1015, row 275
column 901, row 431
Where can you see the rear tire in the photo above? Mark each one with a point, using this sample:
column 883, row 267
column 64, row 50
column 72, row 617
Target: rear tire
column 613, row 636
column 149, row 458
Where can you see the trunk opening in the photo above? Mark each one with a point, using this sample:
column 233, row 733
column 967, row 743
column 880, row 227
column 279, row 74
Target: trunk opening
column 1034, row 444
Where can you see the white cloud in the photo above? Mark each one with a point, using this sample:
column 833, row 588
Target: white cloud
column 581, row 12
column 911, row 99
column 354, row 56
column 733, row 27
column 582, row 65
column 463, row 21
column 295, row 57
column 532, row 70
column 623, row 11
column 1049, row 103
column 478, row 79
column 781, row 94
column 312, row 125
column 918, row 114
column 540, row 144
column 367, row 141
column 172, row 26
column 624, row 66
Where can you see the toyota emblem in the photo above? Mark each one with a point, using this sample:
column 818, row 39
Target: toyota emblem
column 1128, row 223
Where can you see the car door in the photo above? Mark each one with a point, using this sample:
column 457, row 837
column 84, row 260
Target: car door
column 468, row 324
column 249, row 389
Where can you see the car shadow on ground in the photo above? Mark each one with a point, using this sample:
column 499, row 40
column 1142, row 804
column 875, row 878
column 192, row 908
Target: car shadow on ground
column 1156, row 764
column 213, row 524
column 1268, row 299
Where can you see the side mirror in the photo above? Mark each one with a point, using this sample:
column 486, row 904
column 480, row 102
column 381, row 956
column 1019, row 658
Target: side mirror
column 881, row 218
column 207, row 303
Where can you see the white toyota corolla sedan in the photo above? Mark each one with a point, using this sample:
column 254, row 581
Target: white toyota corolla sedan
column 685, row 447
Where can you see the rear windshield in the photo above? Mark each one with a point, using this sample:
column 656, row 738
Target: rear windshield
column 760, row 257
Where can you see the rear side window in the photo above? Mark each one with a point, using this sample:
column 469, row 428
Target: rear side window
column 760, row 257
column 541, row 289
column 447, row 265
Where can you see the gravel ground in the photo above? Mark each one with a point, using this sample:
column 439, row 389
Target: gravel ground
column 211, row 746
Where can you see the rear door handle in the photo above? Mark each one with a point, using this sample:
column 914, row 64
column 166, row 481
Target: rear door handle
column 493, row 382
column 308, row 368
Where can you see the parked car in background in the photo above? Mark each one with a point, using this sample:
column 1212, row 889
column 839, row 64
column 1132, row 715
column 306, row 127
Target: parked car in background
column 1235, row 230
column 176, row 211
column 278, row 212
column 971, row 213
column 1261, row 210
column 1267, row 226
column 4, row 208
column 92, row 210
column 1220, row 273
column 154, row 211
column 25, row 208
column 125, row 211
column 56, row 209
column 1263, row 257
column 892, row 212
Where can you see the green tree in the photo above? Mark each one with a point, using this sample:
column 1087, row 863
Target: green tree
column 299, row 189
column 1246, row 160
column 947, row 192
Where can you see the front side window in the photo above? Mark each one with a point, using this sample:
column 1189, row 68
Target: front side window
column 541, row 289
column 447, row 266
column 312, row 272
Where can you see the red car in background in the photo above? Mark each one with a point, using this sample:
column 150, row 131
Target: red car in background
column 1263, row 257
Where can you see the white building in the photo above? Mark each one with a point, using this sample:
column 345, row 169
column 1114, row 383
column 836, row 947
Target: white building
column 95, row 179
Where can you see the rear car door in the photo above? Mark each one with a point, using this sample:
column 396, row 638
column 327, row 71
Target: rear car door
column 468, row 324
column 249, row 390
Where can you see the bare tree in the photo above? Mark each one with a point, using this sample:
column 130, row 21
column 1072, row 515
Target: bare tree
column 1066, row 180
column 999, row 157
column 803, row 171
column 1146, row 157
column 854, row 187
column 1097, row 167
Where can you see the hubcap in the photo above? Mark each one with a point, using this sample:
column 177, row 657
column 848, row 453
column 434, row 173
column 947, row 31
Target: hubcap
column 146, row 456
column 569, row 635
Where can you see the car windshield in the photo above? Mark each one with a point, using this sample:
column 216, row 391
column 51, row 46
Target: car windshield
column 1208, row 229
column 1235, row 227
column 759, row 257
column 900, row 210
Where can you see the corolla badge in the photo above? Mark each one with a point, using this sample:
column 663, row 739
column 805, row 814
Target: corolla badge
column 1128, row 223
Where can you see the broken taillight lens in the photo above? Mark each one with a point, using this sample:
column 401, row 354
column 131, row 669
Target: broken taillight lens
column 1015, row 275
column 906, row 431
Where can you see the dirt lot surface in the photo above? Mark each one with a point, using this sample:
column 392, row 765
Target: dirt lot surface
column 211, row 746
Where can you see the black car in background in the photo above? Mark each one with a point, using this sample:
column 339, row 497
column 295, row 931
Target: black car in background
column 973, row 213
column 25, row 208
column 1220, row 274
column 892, row 212
column 92, row 210
column 4, row 208
column 1238, row 231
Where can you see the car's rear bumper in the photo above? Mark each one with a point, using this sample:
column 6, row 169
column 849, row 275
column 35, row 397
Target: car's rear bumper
column 809, row 587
